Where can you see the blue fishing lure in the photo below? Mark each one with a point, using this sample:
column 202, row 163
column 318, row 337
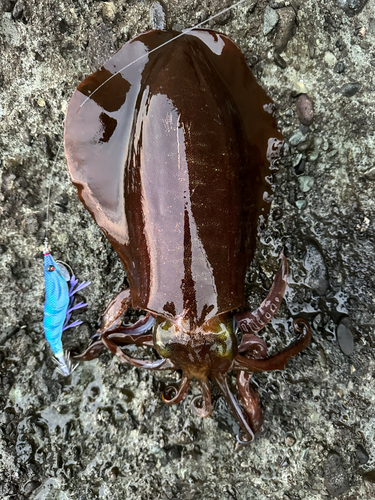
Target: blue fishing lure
column 58, row 307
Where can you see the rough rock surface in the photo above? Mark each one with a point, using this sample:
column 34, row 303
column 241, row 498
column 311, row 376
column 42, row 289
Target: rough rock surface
column 104, row 433
column 352, row 7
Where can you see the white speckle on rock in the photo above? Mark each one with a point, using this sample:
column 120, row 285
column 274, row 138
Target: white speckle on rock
column 108, row 9
column 299, row 87
column 364, row 226
column 330, row 59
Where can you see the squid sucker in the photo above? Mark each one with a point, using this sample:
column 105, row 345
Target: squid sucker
column 172, row 157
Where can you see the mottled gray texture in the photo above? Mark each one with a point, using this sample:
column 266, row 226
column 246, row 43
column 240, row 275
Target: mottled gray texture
column 104, row 433
column 352, row 7
column 271, row 18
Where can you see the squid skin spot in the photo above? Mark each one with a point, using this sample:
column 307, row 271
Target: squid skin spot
column 109, row 126
column 170, row 308
column 116, row 88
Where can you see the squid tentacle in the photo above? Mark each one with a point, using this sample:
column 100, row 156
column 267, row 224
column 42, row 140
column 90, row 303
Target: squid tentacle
column 253, row 346
column 116, row 333
column 278, row 361
column 206, row 409
column 239, row 414
column 159, row 364
column 119, row 338
column 250, row 401
column 252, row 322
column 115, row 311
column 140, row 327
column 180, row 393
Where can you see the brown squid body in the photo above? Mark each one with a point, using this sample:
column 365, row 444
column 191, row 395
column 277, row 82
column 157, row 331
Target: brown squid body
column 172, row 157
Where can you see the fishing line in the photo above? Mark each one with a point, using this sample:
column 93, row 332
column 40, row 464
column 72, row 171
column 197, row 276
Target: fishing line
column 49, row 185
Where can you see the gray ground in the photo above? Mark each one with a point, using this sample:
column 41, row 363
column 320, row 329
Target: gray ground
column 104, row 432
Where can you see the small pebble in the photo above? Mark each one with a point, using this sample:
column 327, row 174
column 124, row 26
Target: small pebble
column 297, row 137
column 18, row 9
column 61, row 208
column 339, row 67
column 221, row 20
column 305, row 129
column 297, row 160
column 290, row 440
column 345, row 337
column 5, row 418
column 300, row 168
column 364, row 44
column 370, row 175
column 63, row 199
column 277, row 213
column 9, row 332
column 301, row 204
column 305, row 110
column 349, row 89
column 362, row 455
column 108, row 10
column 314, row 154
column 280, row 62
column 311, row 46
column 8, row 182
column 335, row 478
column 271, row 18
column 31, row 486
column 332, row 153
column 26, row 137
column 305, row 183
column 330, row 59
column 299, row 88
column 113, row 473
column 317, row 321
column 285, row 28
column 340, row 44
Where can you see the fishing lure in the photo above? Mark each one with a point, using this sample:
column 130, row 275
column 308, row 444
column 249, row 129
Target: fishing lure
column 59, row 305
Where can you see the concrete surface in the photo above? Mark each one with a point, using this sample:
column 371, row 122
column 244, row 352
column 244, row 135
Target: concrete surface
column 104, row 432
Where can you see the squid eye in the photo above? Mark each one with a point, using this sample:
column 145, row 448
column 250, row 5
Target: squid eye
column 50, row 268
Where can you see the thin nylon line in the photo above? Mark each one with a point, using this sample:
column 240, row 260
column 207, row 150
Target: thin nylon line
column 49, row 195
column 184, row 32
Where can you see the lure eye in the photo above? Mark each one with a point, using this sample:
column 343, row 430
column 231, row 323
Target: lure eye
column 50, row 268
